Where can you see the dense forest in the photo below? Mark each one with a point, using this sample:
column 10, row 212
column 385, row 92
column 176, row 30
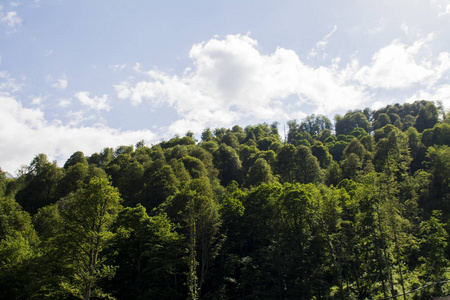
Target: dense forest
column 358, row 208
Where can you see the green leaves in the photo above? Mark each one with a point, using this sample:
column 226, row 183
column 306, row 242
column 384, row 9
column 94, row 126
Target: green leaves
column 86, row 220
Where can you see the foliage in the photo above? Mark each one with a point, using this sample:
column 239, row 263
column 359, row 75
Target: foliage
column 358, row 210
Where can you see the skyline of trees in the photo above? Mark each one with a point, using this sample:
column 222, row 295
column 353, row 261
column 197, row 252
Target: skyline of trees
column 360, row 211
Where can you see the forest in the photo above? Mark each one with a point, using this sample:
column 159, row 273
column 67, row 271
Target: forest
column 352, row 208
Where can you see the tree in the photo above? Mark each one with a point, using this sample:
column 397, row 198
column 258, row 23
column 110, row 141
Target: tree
column 149, row 256
column 433, row 244
column 18, row 245
column 428, row 117
column 194, row 166
column 77, row 157
column 322, row 154
column 41, row 180
column 231, row 140
column 308, row 166
column 382, row 120
column 207, row 135
column 87, row 217
column 259, row 173
column 355, row 147
column 160, row 182
column 351, row 120
column 315, row 124
column 2, row 183
column 438, row 165
column 229, row 165
column 103, row 158
column 74, row 178
column 195, row 209
column 438, row 135
column 350, row 166
column 286, row 166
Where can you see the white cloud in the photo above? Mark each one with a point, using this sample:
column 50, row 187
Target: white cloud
column 60, row 83
column 11, row 19
column 37, row 100
column 24, row 133
column 118, row 67
column 96, row 103
column 230, row 79
column 404, row 28
column 438, row 93
column 382, row 24
column 445, row 11
column 399, row 66
column 320, row 46
column 64, row 102
column 9, row 84
column 137, row 67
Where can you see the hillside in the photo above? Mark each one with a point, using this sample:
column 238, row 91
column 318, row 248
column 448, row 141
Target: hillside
column 354, row 208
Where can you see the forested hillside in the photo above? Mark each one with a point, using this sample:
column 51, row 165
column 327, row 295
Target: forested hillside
column 354, row 208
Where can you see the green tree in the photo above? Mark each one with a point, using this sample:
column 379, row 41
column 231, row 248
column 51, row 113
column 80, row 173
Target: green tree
column 322, row 154
column 87, row 217
column 259, row 173
column 433, row 244
column 195, row 167
column 351, row 120
column 41, row 182
column 74, row 178
column 207, row 135
column 160, row 182
column 18, row 245
column 315, row 124
column 308, row 166
column 438, row 135
column 149, row 256
column 438, row 165
column 77, row 157
column 196, row 210
column 231, row 140
column 382, row 120
column 428, row 117
column 229, row 165
column 103, row 158
column 286, row 166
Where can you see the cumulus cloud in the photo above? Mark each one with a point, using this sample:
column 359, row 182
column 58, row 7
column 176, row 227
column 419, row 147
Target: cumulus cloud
column 400, row 66
column 96, row 103
column 24, row 133
column 230, row 79
column 441, row 93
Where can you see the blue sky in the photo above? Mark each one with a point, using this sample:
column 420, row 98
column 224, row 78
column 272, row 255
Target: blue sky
column 88, row 74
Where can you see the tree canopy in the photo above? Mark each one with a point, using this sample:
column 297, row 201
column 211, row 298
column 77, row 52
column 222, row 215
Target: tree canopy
column 358, row 209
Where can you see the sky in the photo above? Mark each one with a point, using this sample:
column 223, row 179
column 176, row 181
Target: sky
column 81, row 75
